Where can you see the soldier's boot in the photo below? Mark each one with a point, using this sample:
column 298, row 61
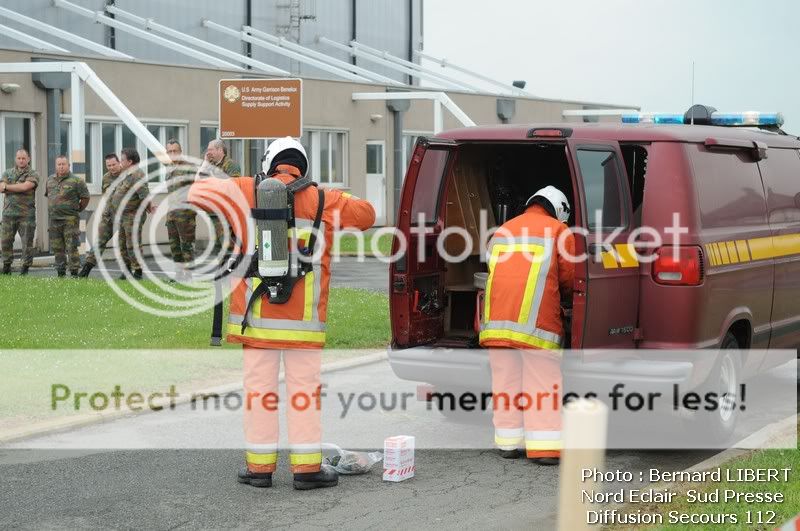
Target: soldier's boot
column 24, row 270
column 6, row 269
column 254, row 479
column 86, row 269
column 326, row 477
column 61, row 272
column 137, row 274
column 74, row 273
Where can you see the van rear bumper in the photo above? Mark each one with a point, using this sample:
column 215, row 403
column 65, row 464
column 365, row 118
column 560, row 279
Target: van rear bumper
column 469, row 368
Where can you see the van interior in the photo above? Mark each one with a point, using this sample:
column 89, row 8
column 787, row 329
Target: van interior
column 498, row 180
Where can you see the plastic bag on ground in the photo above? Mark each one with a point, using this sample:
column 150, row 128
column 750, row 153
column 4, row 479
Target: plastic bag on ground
column 348, row 462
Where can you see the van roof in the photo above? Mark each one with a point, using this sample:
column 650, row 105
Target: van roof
column 626, row 133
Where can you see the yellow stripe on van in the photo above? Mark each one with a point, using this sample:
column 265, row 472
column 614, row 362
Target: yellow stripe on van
column 627, row 255
column 785, row 245
column 732, row 252
column 609, row 262
column 761, row 248
column 710, row 254
column 717, row 254
column 744, row 254
column 723, row 252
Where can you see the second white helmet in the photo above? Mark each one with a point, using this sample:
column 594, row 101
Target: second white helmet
column 276, row 146
column 556, row 199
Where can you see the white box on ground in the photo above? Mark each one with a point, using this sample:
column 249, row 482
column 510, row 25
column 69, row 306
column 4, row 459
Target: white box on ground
column 398, row 458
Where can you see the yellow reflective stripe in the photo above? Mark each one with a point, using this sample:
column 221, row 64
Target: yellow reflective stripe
column 487, row 297
column 543, row 445
column 609, row 262
column 507, row 441
column 346, row 195
column 732, row 252
column 519, row 337
column 761, row 248
column 744, row 254
column 277, row 335
column 256, row 310
column 261, row 459
column 717, row 254
column 723, row 251
column 530, row 284
column 308, row 309
column 710, row 253
column 785, row 245
column 305, row 459
column 627, row 255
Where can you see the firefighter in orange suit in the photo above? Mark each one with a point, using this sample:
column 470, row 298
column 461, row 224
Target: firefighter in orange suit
column 529, row 273
column 295, row 329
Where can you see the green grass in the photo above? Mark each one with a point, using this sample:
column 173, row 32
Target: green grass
column 761, row 459
column 347, row 244
column 89, row 323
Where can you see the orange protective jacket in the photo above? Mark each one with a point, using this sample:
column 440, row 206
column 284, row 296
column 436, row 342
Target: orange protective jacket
column 527, row 276
column 300, row 322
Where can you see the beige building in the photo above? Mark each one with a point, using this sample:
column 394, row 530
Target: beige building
column 351, row 144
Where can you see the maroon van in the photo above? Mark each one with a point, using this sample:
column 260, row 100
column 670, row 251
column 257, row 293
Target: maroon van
column 732, row 283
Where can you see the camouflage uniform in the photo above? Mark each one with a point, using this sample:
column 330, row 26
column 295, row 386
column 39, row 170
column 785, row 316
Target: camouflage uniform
column 65, row 194
column 19, row 215
column 181, row 222
column 230, row 168
column 128, row 214
column 106, row 228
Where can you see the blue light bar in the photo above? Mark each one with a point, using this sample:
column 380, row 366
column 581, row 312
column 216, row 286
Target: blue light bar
column 730, row 119
column 751, row 118
column 652, row 118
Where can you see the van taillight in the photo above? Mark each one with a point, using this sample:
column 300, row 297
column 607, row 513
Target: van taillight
column 678, row 266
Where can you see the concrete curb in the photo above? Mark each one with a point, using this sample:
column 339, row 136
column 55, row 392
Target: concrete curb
column 50, row 427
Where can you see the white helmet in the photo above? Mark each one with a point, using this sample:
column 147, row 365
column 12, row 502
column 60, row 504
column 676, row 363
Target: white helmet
column 557, row 200
column 276, row 146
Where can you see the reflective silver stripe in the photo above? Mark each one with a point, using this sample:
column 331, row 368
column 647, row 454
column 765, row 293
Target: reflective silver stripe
column 311, row 448
column 542, row 435
column 509, row 433
column 522, row 329
column 279, row 324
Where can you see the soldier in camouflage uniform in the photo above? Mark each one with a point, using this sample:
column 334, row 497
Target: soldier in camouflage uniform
column 68, row 197
column 19, row 212
column 181, row 222
column 134, row 178
column 217, row 155
column 106, row 227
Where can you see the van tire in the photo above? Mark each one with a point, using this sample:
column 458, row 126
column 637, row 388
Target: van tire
column 725, row 377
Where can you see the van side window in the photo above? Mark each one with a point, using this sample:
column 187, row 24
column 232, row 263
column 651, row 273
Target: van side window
column 635, row 159
column 428, row 186
column 600, row 173
column 781, row 174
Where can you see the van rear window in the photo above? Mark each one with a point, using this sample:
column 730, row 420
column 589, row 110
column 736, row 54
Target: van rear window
column 429, row 184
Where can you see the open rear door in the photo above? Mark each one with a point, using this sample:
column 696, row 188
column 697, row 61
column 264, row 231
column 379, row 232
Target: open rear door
column 606, row 301
column 417, row 279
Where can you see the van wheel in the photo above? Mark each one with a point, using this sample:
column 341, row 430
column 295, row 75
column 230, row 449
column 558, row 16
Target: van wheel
column 725, row 377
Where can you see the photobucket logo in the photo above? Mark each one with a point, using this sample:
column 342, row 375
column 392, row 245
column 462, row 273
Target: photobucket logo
column 128, row 209
column 455, row 244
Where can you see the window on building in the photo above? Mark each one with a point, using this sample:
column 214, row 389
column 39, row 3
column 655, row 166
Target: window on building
column 207, row 134
column 328, row 154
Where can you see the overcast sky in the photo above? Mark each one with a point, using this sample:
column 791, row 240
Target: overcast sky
column 634, row 52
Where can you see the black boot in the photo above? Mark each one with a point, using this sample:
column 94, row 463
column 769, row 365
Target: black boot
column 511, row 454
column 137, row 275
column 24, row 270
column 546, row 461
column 61, row 273
column 254, row 479
column 74, row 273
column 6, row 269
column 326, row 477
column 85, row 270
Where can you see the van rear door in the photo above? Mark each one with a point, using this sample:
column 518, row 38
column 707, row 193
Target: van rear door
column 417, row 278
column 606, row 300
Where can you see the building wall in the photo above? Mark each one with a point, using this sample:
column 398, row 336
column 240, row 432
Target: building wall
column 382, row 24
column 188, row 96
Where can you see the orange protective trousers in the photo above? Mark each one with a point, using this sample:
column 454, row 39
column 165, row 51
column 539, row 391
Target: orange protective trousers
column 302, row 403
column 527, row 394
